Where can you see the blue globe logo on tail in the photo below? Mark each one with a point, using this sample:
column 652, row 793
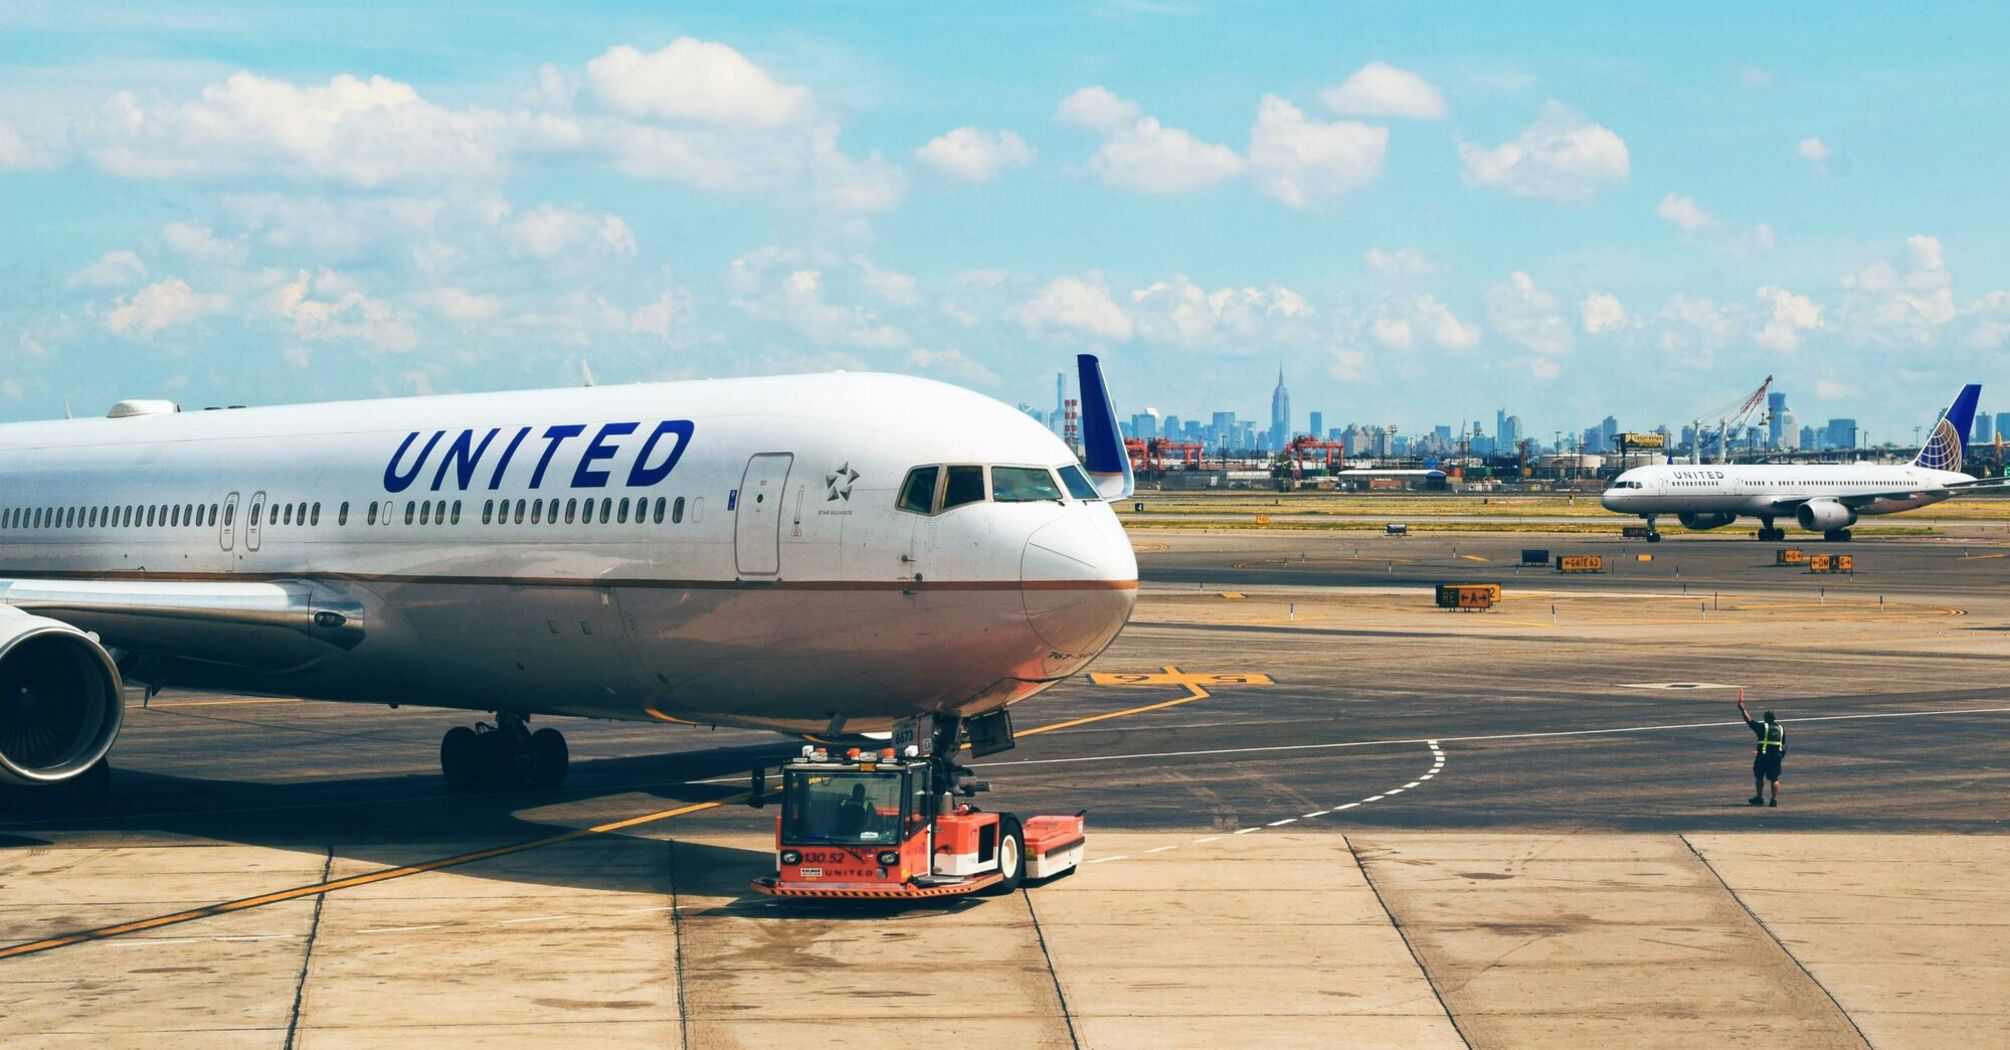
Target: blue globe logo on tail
column 1944, row 447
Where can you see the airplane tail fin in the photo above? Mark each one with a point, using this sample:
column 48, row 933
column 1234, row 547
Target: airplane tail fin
column 1103, row 454
column 1944, row 449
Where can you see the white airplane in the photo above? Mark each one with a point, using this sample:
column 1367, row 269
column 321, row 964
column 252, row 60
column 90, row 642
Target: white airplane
column 824, row 554
column 1826, row 498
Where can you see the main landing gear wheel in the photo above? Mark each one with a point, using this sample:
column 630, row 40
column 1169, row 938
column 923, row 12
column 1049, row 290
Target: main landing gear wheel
column 1837, row 536
column 503, row 755
column 1011, row 856
column 1768, row 534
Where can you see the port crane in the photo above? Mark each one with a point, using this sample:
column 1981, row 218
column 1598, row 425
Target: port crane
column 1731, row 421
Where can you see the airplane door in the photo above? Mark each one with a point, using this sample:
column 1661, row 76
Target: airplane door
column 757, row 524
column 251, row 521
column 227, row 533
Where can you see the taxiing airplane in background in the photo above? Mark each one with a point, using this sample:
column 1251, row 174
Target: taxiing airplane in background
column 824, row 554
column 1824, row 497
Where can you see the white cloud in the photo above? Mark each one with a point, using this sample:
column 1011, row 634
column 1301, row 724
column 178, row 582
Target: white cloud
column 776, row 284
column 890, row 285
column 1347, row 364
column 1183, row 313
column 660, row 317
column 1139, row 153
column 549, row 231
column 694, row 80
column 118, row 268
column 1685, row 213
column 461, row 305
column 1601, row 312
column 1788, row 317
column 954, row 365
column 1561, row 156
column 975, row 154
column 344, row 314
column 360, row 132
column 1398, row 262
column 1526, row 314
column 845, row 185
column 1097, row 108
column 1295, row 159
column 1833, row 390
column 1692, row 329
column 18, row 153
column 198, row 242
column 1077, row 305
column 1763, row 238
column 1151, row 158
column 1423, row 315
column 1816, row 152
column 1884, row 304
column 1382, row 90
column 161, row 306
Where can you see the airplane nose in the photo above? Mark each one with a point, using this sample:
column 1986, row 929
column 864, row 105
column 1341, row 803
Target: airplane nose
column 1079, row 579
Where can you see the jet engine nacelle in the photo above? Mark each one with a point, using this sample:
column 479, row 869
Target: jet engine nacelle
column 1824, row 515
column 1699, row 522
column 61, row 702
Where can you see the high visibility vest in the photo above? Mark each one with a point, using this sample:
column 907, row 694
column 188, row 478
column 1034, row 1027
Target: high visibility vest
column 1772, row 737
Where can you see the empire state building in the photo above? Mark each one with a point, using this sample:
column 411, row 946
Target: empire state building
column 1280, row 413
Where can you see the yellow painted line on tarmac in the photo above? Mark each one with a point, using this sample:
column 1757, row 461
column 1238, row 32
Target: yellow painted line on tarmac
column 1473, row 557
column 245, row 903
column 1230, row 595
column 661, row 717
column 219, row 703
column 1980, row 557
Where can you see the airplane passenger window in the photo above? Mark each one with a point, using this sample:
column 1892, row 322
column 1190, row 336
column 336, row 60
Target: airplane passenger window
column 621, row 512
column 660, row 502
column 536, row 511
column 302, row 516
column 571, row 510
column 457, row 512
column 917, row 493
column 965, row 485
column 286, row 513
column 519, row 512
column 1079, row 485
column 1023, row 485
column 425, row 512
column 677, row 512
column 488, row 510
column 697, row 510
column 551, row 512
column 342, row 513
column 371, row 518
column 411, row 509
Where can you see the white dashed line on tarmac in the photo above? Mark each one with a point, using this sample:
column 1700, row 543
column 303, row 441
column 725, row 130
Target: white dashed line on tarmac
column 1317, row 813
column 1281, row 823
column 1106, row 860
column 1162, row 849
column 402, row 929
column 1209, row 838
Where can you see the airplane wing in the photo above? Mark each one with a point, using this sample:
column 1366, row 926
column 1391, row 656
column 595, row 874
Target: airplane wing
column 267, row 624
column 1860, row 499
column 1103, row 454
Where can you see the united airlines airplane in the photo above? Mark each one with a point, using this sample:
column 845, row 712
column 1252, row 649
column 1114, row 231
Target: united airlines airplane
column 822, row 554
column 1824, row 498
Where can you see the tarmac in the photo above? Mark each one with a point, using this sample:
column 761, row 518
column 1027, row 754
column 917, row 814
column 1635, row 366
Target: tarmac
column 1322, row 812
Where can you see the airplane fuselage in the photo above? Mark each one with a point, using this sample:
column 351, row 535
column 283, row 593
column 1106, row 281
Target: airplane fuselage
column 724, row 552
column 1765, row 490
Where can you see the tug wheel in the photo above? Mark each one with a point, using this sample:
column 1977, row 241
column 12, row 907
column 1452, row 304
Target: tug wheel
column 1011, row 856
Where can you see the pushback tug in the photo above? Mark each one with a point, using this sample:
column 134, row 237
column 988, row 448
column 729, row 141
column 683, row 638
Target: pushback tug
column 885, row 825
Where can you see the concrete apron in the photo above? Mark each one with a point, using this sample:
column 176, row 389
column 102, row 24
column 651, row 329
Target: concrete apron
column 1265, row 939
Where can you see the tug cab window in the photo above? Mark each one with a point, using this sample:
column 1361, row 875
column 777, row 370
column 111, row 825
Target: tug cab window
column 1023, row 485
column 917, row 493
column 964, row 485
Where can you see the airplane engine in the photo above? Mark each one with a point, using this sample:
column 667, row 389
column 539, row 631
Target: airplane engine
column 1824, row 515
column 61, row 702
column 1699, row 522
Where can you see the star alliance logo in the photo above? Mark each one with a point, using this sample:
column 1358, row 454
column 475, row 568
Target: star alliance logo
column 839, row 483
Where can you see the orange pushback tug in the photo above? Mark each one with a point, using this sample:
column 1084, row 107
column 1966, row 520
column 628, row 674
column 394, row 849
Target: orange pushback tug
column 884, row 825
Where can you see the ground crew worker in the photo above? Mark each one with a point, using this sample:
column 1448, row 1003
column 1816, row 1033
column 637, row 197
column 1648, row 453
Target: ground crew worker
column 1767, row 756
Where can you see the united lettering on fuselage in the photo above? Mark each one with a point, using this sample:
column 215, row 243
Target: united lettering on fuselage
column 595, row 465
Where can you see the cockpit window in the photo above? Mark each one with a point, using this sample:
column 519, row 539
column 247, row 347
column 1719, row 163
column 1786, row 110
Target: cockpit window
column 966, row 485
column 918, row 492
column 1079, row 485
column 1023, row 485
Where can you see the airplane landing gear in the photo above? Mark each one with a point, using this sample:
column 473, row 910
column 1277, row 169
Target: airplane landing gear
column 1769, row 534
column 506, row 754
column 1837, row 536
column 1653, row 534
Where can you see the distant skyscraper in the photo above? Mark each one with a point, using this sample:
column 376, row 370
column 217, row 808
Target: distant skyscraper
column 1810, row 440
column 1984, row 430
column 1280, row 412
column 1841, row 433
column 1776, row 407
column 1055, row 421
column 1782, row 432
column 2003, row 424
column 1501, row 427
column 1318, row 427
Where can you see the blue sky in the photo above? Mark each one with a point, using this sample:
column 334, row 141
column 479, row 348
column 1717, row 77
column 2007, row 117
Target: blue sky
column 1422, row 211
